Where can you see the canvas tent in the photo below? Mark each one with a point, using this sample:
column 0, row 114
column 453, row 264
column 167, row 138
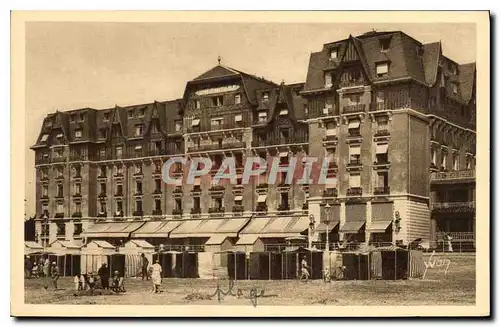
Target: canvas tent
column 133, row 260
column 67, row 256
column 393, row 262
column 94, row 254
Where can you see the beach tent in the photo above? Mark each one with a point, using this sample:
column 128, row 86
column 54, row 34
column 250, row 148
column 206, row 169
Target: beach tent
column 357, row 265
column 292, row 258
column 31, row 247
column 67, row 255
column 133, row 260
column 94, row 254
column 393, row 262
column 237, row 265
column 189, row 265
column 168, row 262
column 259, row 265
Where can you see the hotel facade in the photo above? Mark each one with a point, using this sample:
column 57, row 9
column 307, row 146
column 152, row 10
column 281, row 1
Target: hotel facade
column 394, row 117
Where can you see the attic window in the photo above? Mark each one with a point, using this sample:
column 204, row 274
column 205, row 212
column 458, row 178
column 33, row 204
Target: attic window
column 48, row 123
column 59, row 136
column 237, row 99
column 455, row 88
column 218, row 101
column 141, row 112
column 130, row 113
column 44, row 138
column 284, row 112
column 105, row 116
column 82, row 116
column 382, row 69
column 138, row 130
column 72, row 118
column 262, row 117
column 385, row 44
column 420, row 50
column 328, row 80
column 78, row 134
column 265, row 96
column 178, row 126
column 334, row 53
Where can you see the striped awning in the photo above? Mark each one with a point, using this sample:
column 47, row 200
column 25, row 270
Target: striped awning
column 379, row 226
column 216, row 239
column 277, row 226
column 209, row 227
column 156, row 229
column 118, row 229
column 352, row 226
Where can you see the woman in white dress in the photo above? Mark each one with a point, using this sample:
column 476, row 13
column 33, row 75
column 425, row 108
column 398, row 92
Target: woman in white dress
column 156, row 276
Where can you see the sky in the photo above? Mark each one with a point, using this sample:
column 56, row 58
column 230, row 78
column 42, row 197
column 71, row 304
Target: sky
column 71, row 65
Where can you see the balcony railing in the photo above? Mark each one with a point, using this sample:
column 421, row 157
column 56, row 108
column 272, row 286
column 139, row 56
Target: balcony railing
column 354, row 163
column 330, row 192
column 330, row 138
column 195, row 211
column 158, row 152
column 261, row 208
column 42, row 160
column 59, row 215
column 217, row 189
column 354, row 191
column 138, row 213
column 214, row 147
column 282, row 207
column 382, row 132
column 177, row 212
column 102, row 214
column 453, row 175
column 238, row 208
column 59, row 159
column 216, row 210
column 354, row 108
column 77, row 215
column 352, row 83
column 118, row 214
column 157, row 212
column 262, row 186
column 381, row 190
column 455, row 236
column 178, row 190
column 280, row 141
column 354, row 132
column 454, row 207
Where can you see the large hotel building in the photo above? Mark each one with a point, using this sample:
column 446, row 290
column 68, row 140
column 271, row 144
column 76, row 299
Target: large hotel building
column 395, row 117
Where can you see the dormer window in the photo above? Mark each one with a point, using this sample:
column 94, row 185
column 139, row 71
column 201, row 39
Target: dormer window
column 455, row 88
column 328, row 80
column 284, row 112
column 385, row 44
column 59, row 136
column 44, row 138
column 78, row 134
column 265, row 97
column 237, row 99
column 178, row 126
column 105, row 116
column 195, row 122
column 82, row 116
column 262, row 117
column 130, row 114
column 334, row 53
column 142, row 112
column 218, row 101
column 72, row 118
column 197, row 104
column 382, row 69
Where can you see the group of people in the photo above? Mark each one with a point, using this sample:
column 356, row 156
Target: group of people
column 92, row 281
column 155, row 271
column 42, row 269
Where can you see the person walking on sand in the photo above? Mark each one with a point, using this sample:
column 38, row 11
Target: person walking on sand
column 156, row 276
column 304, row 269
column 144, row 266
column 55, row 275
column 46, row 267
column 103, row 273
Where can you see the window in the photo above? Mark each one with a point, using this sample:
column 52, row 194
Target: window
column 178, row 126
column 44, row 173
column 78, row 133
column 72, row 118
column 353, row 99
column 45, row 190
column 262, row 117
column 217, row 203
column 382, row 179
column 178, row 204
column 78, row 188
column 61, row 229
column 60, row 191
column 306, row 110
column 284, row 200
column 444, row 156
column 434, row 157
column 158, row 185
column 334, row 53
column 355, row 180
column 154, row 128
column 119, row 206
column 328, row 80
column 197, row 104
column 238, row 200
column 103, row 188
column 103, row 133
column 456, row 162
column 455, row 88
column 138, row 169
column 265, row 97
column 59, row 171
column 382, row 69
column 237, row 99
column 105, row 116
column 102, row 170
column 195, row 122
column 284, row 112
column 381, row 153
column 138, row 206
column 157, row 204
column 138, row 130
column 216, row 122
column 196, row 203
column 354, row 127
column 44, row 138
column 78, row 229
column 355, row 154
column 238, row 118
column 78, row 207
column 468, row 163
column 119, row 152
column 218, row 101
column 331, row 129
column 380, row 97
column 285, row 133
column 382, row 124
column 138, row 187
column 130, row 113
column 385, row 44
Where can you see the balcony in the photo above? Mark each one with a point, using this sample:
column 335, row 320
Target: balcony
column 280, row 141
column 377, row 106
column 456, row 236
column 138, row 213
column 42, row 160
column 195, row 211
column 382, row 132
column 138, row 193
column 263, row 186
column 454, row 207
column 452, row 176
column 58, row 159
column 102, row 195
column 261, row 208
column 177, row 212
column 78, row 157
column 217, row 189
column 157, row 192
column 59, row 215
column 60, row 196
column 330, row 138
column 103, row 214
column 354, row 191
column 157, row 212
column 354, row 132
column 178, row 190
column 101, row 176
column 215, row 147
column 76, row 215
column 330, row 193
column 382, row 190
column 77, row 195
column 119, row 194
column 118, row 214
column 216, row 210
column 351, row 83
column 158, row 152
column 354, row 163
column 283, row 207
column 238, row 208
column 354, row 108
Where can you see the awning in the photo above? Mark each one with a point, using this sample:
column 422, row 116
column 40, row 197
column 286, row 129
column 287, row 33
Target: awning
column 141, row 244
column 33, row 245
column 351, row 226
column 216, row 239
column 209, row 228
column 379, row 226
column 238, row 198
column 102, row 244
column 247, row 239
column 354, row 124
column 195, row 122
column 262, row 198
column 238, row 118
column 322, row 227
column 119, row 229
column 283, row 154
column 382, row 148
column 277, row 226
column 156, row 229
column 138, row 147
column 354, row 150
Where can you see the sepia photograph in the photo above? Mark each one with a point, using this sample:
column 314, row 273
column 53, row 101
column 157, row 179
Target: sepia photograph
column 250, row 163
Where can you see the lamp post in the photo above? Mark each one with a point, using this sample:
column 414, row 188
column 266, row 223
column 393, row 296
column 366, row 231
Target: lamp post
column 311, row 229
column 327, row 222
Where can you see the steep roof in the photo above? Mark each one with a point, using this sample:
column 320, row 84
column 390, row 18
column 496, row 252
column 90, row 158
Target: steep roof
column 432, row 52
column 467, row 80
